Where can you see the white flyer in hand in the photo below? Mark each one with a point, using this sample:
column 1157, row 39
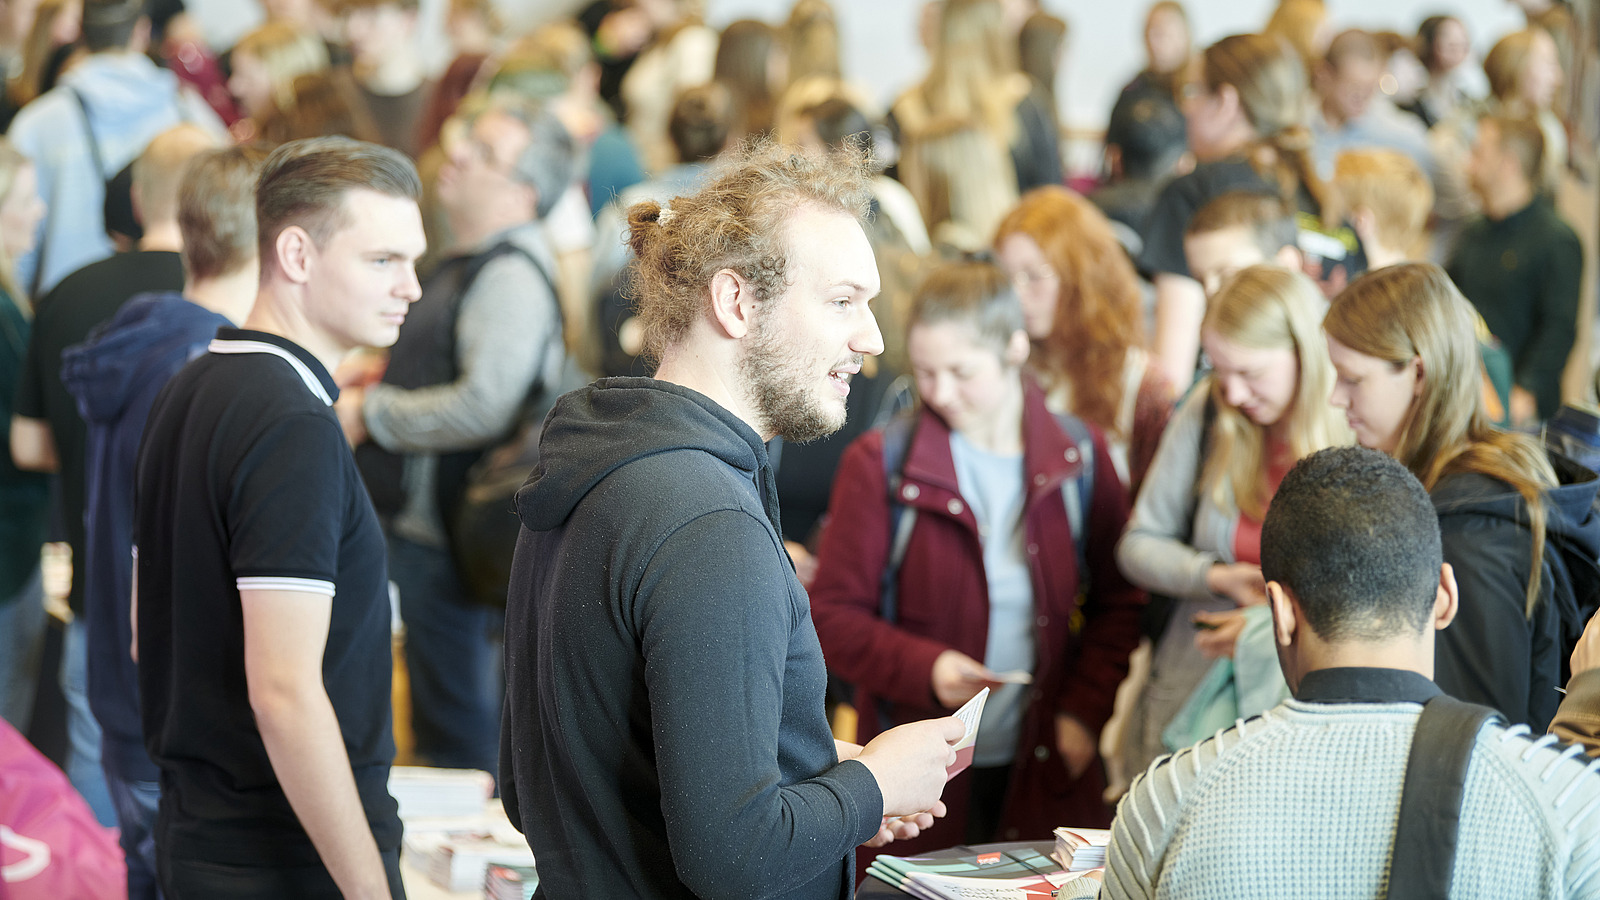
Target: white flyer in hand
column 969, row 714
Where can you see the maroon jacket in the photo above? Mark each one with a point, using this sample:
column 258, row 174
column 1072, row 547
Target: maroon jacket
column 943, row 603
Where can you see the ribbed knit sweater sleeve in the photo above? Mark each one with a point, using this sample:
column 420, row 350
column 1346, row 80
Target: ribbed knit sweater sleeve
column 717, row 626
column 1152, row 553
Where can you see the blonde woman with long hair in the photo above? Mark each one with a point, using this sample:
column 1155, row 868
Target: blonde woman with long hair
column 973, row 134
column 23, row 495
column 266, row 63
column 1517, row 522
column 1195, row 534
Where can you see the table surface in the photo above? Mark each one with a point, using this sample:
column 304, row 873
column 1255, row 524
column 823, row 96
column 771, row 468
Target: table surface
column 872, row 887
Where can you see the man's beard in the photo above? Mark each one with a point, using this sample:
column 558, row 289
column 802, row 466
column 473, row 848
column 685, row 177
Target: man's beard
column 779, row 386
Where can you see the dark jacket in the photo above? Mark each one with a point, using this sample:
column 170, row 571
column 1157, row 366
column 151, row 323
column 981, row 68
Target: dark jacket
column 24, row 496
column 664, row 732
column 115, row 376
column 1081, row 653
column 1493, row 653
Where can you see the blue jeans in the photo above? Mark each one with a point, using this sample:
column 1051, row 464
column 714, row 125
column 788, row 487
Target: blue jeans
column 22, row 625
column 83, row 732
column 136, row 803
column 451, row 661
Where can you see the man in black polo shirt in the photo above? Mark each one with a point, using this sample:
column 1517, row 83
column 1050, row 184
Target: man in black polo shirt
column 262, row 606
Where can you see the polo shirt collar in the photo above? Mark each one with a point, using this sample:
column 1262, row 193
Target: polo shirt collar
column 1365, row 685
column 316, row 378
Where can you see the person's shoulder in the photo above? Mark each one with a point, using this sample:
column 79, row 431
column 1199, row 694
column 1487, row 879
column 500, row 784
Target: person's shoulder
column 1550, row 777
column 1173, row 777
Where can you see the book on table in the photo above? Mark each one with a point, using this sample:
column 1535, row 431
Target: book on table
column 1013, row 873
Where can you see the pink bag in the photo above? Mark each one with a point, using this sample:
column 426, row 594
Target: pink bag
column 51, row 847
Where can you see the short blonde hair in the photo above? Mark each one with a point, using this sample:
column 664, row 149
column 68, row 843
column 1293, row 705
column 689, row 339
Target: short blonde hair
column 1393, row 187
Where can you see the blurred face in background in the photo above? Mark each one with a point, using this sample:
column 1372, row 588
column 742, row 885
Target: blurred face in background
column 965, row 381
column 1259, row 382
column 251, row 85
column 1037, row 282
column 1451, row 46
column 1166, row 41
column 1542, row 76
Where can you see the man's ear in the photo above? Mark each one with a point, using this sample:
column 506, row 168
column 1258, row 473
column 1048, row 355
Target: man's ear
column 1364, row 222
column 1446, row 600
column 732, row 303
column 296, row 253
column 1284, row 617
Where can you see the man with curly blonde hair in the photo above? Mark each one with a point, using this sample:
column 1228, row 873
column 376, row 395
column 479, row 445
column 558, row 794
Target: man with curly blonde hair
column 664, row 727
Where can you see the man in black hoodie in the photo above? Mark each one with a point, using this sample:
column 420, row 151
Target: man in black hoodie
column 664, row 729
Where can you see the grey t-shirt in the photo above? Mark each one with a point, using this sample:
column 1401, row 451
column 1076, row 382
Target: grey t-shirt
column 992, row 486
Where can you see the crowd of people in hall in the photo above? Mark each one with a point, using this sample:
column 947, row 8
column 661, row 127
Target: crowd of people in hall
column 1054, row 479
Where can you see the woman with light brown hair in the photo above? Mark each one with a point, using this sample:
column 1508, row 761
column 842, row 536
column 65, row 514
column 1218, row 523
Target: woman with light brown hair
column 1246, row 113
column 1083, row 312
column 1525, row 78
column 1517, row 522
column 266, row 63
column 973, row 134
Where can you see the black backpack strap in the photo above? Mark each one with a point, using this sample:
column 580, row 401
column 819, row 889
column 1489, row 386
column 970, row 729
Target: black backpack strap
column 1424, row 855
column 896, row 441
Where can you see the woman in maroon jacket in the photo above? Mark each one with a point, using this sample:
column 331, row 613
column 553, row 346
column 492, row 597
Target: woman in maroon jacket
column 988, row 591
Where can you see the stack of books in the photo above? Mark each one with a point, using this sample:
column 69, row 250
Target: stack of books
column 991, row 875
column 1082, row 849
column 510, row 882
column 458, row 859
column 439, row 793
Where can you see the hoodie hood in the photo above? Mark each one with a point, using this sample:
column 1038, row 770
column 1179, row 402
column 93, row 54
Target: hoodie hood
column 123, row 90
column 107, row 371
column 1572, row 526
column 598, row 429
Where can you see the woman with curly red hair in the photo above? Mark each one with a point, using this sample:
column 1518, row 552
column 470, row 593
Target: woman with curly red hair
column 1081, row 305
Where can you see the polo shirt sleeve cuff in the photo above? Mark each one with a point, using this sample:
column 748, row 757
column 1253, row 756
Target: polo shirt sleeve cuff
column 286, row 583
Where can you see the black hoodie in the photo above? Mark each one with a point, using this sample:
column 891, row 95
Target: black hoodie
column 1493, row 653
column 664, row 730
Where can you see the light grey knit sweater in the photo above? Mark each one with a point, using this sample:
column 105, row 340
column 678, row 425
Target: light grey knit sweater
column 1303, row 801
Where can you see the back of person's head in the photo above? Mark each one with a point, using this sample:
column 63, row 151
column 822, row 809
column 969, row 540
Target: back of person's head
column 971, row 54
column 1523, row 140
column 323, row 105
column 1147, row 131
column 1352, row 536
column 1039, row 47
column 158, row 171
column 543, row 63
column 1303, row 25
column 1393, row 189
column 1508, row 63
column 743, row 66
column 1271, row 82
column 217, row 211
column 739, row 221
column 1263, row 217
column 812, row 37
column 1098, row 312
column 974, row 294
column 305, row 183
column 701, row 120
column 12, row 162
column 837, row 122
column 1268, row 307
column 285, row 52
column 110, row 24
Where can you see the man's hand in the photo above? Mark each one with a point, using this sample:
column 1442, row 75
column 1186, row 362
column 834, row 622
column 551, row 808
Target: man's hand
column 1586, row 655
column 958, row 677
column 1075, row 744
column 909, row 763
column 1240, row 582
column 904, row 828
column 1219, row 632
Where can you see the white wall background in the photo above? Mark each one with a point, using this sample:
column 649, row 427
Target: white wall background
column 882, row 54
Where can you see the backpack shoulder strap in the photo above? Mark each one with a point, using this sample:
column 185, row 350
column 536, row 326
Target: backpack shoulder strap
column 1424, row 856
column 896, row 441
column 88, row 130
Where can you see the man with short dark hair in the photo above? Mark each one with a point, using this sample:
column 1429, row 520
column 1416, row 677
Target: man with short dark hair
column 262, row 606
column 115, row 376
column 467, row 366
column 81, row 133
column 1520, row 264
column 1352, row 113
column 1304, row 800
column 386, row 71
column 665, row 733
column 1235, row 231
